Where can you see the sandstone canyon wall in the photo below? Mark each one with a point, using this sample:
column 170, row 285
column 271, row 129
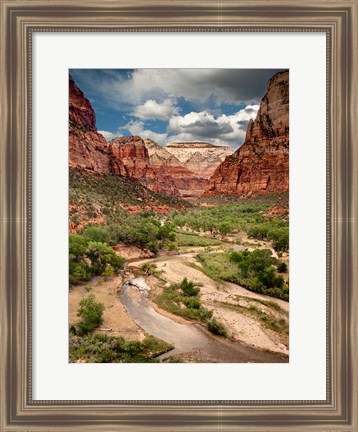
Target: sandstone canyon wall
column 201, row 157
column 261, row 164
column 188, row 183
column 87, row 148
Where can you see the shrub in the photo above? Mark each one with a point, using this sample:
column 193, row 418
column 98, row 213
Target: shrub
column 188, row 288
column 151, row 269
column 282, row 267
column 91, row 313
column 183, row 299
column 192, row 302
column 217, row 327
column 108, row 272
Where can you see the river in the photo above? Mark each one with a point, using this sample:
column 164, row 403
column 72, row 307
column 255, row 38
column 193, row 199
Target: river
column 189, row 337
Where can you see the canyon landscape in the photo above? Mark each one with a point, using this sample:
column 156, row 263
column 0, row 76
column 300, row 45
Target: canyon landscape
column 179, row 216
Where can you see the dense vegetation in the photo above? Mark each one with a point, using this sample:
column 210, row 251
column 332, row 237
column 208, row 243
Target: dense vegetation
column 235, row 219
column 143, row 230
column 101, row 348
column 89, row 258
column 94, row 195
column 91, row 254
column 256, row 271
column 183, row 299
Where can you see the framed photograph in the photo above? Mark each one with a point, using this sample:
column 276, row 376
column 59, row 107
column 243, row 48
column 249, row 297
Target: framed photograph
column 179, row 209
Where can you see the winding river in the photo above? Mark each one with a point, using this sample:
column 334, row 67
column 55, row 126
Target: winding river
column 188, row 337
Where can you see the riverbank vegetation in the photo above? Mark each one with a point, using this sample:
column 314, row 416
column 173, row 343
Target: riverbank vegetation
column 256, row 270
column 183, row 299
column 101, row 348
column 235, row 219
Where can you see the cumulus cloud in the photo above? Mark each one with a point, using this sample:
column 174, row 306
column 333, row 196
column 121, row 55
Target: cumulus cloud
column 200, row 123
column 138, row 128
column 109, row 135
column 205, row 126
column 151, row 109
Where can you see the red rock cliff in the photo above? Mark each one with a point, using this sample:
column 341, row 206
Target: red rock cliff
column 261, row 164
column 170, row 170
column 87, row 148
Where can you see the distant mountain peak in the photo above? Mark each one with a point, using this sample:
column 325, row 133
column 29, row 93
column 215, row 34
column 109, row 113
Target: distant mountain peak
column 193, row 144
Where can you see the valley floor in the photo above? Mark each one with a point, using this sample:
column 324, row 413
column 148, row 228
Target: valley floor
column 255, row 321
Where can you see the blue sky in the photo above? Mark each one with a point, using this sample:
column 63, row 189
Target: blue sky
column 175, row 105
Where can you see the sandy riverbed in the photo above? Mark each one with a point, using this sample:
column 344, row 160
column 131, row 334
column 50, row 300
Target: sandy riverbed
column 222, row 298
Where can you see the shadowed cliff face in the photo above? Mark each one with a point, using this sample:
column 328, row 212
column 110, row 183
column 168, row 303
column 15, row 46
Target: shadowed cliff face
column 81, row 114
column 261, row 164
column 87, row 148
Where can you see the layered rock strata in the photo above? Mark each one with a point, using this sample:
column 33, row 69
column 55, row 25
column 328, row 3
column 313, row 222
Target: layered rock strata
column 261, row 164
column 200, row 157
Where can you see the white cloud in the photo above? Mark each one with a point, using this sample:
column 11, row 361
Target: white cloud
column 151, row 109
column 137, row 128
column 204, row 126
column 109, row 135
column 221, row 130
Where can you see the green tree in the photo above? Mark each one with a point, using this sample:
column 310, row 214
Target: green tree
column 77, row 247
column 100, row 255
column 91, row 313
column 78, row 272
column 281, row 243
column 97, row 234
column 224, row 228
column 78, row 268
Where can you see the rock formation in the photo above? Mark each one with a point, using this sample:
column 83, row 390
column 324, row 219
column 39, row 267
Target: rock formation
column 168, row 168
column 87, row 148
column 200, row 157
column 261, row 164
column 130, row 158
